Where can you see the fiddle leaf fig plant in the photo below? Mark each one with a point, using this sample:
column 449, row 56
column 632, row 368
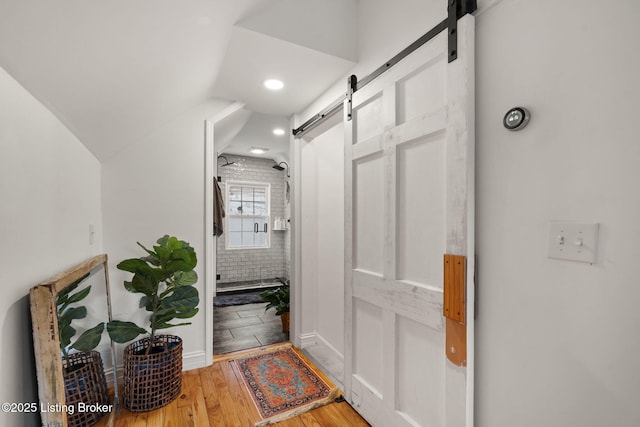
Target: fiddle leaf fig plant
column 67, row 313
column 277, row 298
column 165, row 278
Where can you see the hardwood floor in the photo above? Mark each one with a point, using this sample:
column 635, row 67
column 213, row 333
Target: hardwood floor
column 215, row 396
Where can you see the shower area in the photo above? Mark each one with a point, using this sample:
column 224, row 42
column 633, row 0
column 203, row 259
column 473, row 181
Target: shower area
column 252, row 251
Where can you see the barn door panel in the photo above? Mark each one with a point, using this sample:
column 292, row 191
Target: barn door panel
column 408, row 198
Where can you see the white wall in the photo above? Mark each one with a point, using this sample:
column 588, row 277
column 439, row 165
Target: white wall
column 50, row 193
column 329, row 293
column 557, row 341
column 322, row 220
column 156, row 187
column 307, row 221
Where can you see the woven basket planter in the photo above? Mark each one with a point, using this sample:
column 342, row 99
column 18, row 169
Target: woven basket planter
column 152, row 376
column 84, row 382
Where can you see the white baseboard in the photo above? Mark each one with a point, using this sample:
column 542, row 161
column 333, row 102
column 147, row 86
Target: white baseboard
column 307, row 340
column 335, row 354
column 326, row 358
column 194, row 360
column 109, row 374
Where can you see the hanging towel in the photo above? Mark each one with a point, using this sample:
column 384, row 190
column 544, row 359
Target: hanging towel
column 218, row 209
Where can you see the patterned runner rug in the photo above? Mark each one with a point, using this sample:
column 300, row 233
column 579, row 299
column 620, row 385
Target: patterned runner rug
column 282, row 385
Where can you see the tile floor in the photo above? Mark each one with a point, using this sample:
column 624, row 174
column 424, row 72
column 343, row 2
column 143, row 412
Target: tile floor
column 240, row 327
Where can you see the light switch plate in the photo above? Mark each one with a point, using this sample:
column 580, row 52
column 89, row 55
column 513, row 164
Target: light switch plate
column 573, row 241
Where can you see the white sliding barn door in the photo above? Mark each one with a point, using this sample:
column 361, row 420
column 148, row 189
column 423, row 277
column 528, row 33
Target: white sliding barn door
column 408, row 201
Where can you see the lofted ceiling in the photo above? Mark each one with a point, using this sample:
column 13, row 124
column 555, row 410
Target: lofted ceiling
column 113, row 71
column 243, row 130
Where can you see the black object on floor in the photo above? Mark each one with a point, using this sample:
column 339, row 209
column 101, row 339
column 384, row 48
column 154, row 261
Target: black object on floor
column 238, row 299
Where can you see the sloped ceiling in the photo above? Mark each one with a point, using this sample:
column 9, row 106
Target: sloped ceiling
column 256, row 131
column 112, row 71
column 228, row 127
column 253, row 57
column 328, row 26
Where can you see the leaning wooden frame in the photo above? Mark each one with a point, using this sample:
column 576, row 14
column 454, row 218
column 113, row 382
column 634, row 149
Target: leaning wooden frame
column 49, row 363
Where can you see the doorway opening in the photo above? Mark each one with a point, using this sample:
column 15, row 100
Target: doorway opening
column 253, row 252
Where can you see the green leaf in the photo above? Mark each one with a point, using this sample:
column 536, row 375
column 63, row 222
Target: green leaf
column 152, row 255
column 153, row 260
column 65, row 334
column 63, row 322
column 181, row 260
column 161, row 316
column 145, row 284
column 277, row 298
column 185, row 278
column 172, row 243
column 164, row 253
column 187, row 314
column 63, row 294
column 132, row 265
column 71, row 314
column 79, row 296
column 146, row 303
column 129, row 286
column 122, row 332
column 164, row 315
column 181, row 304
column 90, row 338
column 182, row 299
column 169, row 325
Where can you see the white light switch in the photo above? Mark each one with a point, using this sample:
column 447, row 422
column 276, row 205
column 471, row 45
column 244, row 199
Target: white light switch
column 573, row 241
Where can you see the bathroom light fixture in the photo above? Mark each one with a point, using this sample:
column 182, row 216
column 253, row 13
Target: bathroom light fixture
column 273, row 84
column 278, row 131
column 258, row 150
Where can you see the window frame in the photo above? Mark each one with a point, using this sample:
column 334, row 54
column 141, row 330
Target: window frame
column 229, row 215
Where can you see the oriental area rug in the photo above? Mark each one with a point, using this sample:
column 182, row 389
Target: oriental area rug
column 282, row 385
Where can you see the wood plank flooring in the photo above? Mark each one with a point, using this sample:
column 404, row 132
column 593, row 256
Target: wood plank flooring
column 215, row 396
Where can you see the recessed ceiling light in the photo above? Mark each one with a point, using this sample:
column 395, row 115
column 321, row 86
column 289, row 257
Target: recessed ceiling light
column 273, row 84
column 278, row 131
column 258, row 150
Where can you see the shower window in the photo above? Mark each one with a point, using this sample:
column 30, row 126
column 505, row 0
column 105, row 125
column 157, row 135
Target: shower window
column 247, row 215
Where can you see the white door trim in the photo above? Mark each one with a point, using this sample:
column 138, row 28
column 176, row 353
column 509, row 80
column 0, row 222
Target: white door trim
column 210, row 253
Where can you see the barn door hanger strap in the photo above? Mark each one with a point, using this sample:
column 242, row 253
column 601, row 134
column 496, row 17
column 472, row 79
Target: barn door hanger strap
column 352, row 86
column 456, row 9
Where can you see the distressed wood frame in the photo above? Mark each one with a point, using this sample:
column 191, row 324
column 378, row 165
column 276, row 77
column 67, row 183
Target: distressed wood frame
column 46, row 339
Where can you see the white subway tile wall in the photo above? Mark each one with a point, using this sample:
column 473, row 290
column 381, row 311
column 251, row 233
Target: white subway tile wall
column 243, row 265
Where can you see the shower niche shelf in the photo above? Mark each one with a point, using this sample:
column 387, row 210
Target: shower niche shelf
column 279, row 224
